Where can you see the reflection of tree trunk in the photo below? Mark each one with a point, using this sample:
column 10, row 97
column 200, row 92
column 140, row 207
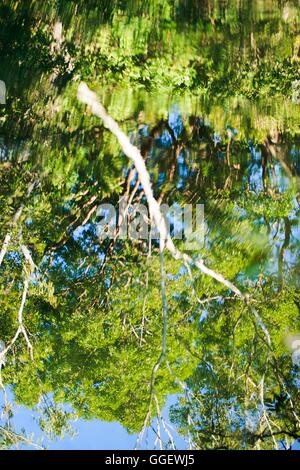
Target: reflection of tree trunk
column 287, row 237
column 228, row 182
column 273, row 174
column 277, row 152
column 171, row 171
column 264, row 152
column 272, row 148
column 228, row 153
column 175, row 153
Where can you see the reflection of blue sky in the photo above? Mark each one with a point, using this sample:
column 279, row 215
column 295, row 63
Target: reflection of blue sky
column 89, row 435
column 175, row 121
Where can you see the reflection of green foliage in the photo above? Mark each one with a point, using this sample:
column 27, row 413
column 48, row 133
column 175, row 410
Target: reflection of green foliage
column 55, row 422
column 270, row 207
column 96, row 356
column 223, row 407
column 117, row 44
column 93, row 310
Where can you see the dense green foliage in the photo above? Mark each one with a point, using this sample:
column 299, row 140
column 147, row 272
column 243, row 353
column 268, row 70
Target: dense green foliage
column 208, row 91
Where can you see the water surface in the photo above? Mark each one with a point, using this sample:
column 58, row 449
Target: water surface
column 209, row 92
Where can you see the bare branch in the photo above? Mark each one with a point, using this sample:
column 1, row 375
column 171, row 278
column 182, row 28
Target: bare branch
column 15, row 220
column 85, row 95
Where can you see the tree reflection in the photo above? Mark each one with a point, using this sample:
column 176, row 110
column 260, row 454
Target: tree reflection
column 89, row 311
